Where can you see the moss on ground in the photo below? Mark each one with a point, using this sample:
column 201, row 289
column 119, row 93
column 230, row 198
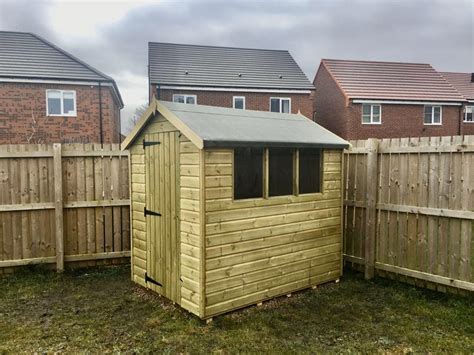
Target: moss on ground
column 102, row 310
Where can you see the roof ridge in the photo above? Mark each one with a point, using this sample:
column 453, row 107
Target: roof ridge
column 214, row 46
column 374, row 61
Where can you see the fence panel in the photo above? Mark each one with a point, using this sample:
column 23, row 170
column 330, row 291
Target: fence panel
column 424, row 208
column 74, row 207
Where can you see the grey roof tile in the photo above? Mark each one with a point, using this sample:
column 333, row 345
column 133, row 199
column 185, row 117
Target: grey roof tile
column 194, row 65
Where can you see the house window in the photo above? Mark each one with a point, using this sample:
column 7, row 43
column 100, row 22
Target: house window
column 371, row 114
column 185, row 99
column 468, row 114
column 248, row 173
column 280, row 171
column 239, row 102
column 280, row 104
column 309, row 170
column 433, row 115
column 61, row 103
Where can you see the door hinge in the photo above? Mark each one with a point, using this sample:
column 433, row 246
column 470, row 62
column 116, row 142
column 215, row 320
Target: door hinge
column 151, row 213
column 150, row 280
column 149, row 143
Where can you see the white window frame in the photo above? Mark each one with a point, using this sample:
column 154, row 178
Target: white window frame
column 185, row 97
column 465, row 113
column 281, row 106
column 372, row 114
column 62, row 114
column 432, row 115
column 238, row 97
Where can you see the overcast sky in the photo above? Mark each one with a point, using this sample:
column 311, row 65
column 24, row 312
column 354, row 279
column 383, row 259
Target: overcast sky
column 113, row 35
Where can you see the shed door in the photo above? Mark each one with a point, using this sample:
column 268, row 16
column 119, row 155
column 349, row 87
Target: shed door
column 161, row 209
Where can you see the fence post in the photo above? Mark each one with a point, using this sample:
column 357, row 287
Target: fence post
column 371, row 212
column 58, row 206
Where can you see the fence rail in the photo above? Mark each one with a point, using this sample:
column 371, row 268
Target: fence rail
column 63, row 203
column 409, row 208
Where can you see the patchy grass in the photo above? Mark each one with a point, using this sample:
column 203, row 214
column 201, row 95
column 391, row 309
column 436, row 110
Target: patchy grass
column 101, row 310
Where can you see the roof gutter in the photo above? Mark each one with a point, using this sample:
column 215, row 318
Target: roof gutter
column 232, row 89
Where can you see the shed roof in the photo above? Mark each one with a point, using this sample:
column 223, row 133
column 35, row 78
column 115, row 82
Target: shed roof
column 28, row 56
column 210, row 126
column 195, row 65
column 462, row 82
column 390, row 81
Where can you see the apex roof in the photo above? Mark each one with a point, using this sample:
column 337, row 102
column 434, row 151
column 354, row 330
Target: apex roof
column 197, row 65
column 28, row 56
column 390, row 81
column 211, row 126
column 463, row 82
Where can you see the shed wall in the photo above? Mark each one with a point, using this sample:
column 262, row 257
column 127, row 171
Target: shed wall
column 189, row 214
column 261, row 248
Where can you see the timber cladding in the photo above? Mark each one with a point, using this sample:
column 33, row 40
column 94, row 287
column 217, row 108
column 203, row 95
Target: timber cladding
column 420, row 221
column 225, row 254
column 63, row 203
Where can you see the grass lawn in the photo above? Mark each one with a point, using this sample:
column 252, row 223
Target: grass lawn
column 101, row 310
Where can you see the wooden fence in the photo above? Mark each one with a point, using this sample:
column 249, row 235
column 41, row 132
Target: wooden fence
column 63, row 203
column 409, row 208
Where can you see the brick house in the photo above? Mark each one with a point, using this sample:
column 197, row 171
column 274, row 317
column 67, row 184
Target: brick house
column 464, row 83
column 47, row 95
column 365, row 99
column 254, row 79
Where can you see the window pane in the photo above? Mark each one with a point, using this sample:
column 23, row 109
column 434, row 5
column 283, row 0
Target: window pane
column 275, row 105
column 436, row 114
column 428, row 109
column 238, row 103
column 248, row 173
column 469, row 111
column 280, row 171
column 366, row 110
column 190, row 100
column 54, row 102
column 428, row 118
column 68, row 105
column 376, row 109
column 285, row 106
column 366, row 118
column 178, row 98
column 309, row 170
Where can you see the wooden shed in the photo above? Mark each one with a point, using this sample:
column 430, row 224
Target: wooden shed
column 232, row 207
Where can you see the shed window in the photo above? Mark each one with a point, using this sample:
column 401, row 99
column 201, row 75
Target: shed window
column 185, row 99
column 309, row 171
column 280, row 172
column 371, row 114
column 432, row 115
column 239, row 102
column 248, row 173
column 468, row 114
column 280, row 104
column 61, row 102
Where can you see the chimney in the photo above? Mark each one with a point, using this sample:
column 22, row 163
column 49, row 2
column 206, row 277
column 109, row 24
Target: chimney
column 472, row 77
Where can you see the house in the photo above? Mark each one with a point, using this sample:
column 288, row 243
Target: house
column 367, row 99
column 232, row 207
column 253, row 79
column 47, row 95
column 464, row 83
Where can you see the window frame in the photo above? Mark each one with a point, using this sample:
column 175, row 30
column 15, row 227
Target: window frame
column 281, row 106
column 62, row 114
column 371, row 114
column 432, row 115
column 266, row 177
column 238, row 97
column 472, row 114
column 185, row 97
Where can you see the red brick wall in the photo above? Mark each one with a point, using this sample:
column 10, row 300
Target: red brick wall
column 336, row 113
column 23, row 116
column 329, row 104
column 253, row 101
